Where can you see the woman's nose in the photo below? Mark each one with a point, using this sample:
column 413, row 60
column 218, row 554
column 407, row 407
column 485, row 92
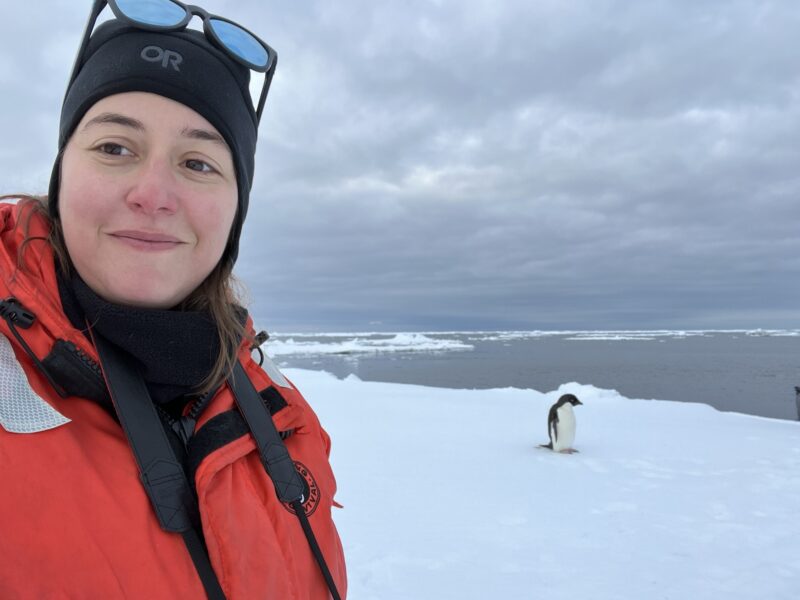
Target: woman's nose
column 154, row 190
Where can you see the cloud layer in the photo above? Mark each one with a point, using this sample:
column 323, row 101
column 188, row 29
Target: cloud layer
column 475, row 164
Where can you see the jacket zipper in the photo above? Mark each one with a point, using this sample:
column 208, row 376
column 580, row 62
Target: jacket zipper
column 87, row 360
column 183, row 427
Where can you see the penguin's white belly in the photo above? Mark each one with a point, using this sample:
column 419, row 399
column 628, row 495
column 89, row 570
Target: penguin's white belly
column 564, row 435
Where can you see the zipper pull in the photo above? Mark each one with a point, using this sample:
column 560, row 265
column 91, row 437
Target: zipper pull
column 16, row 314
column 184, row 428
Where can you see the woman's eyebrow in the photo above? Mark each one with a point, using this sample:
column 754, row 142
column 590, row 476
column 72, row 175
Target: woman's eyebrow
column 116, row 119
column 204, row 134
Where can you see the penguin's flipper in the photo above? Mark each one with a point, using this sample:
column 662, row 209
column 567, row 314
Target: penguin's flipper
column 548, row 446
column 552, row 420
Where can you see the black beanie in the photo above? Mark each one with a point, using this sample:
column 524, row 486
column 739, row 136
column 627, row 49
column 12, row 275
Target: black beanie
column 182, row 66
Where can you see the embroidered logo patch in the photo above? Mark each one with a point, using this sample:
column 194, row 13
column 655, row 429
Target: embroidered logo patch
column 311, row 493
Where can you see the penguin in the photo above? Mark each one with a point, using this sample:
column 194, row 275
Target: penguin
column 797, row 400
column 561, row 425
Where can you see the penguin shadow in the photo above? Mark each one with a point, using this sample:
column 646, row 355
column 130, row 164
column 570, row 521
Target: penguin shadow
column 561, row 425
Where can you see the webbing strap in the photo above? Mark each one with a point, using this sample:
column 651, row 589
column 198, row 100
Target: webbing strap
column 277, row 461
column 274, row 455
column 160, row 471
column 315, row 549
column 197, row 550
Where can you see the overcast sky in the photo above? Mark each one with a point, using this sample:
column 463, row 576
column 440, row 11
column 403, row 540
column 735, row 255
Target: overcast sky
column 494, row 164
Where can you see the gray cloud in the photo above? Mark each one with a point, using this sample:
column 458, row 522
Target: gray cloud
column 475, row 164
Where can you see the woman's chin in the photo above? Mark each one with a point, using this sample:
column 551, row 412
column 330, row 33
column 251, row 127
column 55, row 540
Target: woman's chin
column 143, row 294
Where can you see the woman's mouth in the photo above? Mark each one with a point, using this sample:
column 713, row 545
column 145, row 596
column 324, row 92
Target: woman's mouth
column 146, row 240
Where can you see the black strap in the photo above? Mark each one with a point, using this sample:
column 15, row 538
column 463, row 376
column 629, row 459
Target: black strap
column 277, row 461
column 162, row 475
column 273, row 399
column 196, row 546
column 274, row 455
column 220, row 430
column 315, row 549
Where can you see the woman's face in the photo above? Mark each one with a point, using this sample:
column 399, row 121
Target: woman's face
column 147, row 199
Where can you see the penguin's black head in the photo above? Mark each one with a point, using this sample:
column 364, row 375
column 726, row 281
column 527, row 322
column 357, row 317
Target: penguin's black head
column 572, row 399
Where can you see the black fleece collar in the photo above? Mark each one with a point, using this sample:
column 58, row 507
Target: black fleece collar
column 175, row 349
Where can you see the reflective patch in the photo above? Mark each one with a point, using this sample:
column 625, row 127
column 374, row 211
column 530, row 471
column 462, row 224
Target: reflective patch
column 21, row 409
column 275, row 374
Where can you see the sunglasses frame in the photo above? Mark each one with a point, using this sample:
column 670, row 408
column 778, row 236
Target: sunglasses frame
column 190, row 11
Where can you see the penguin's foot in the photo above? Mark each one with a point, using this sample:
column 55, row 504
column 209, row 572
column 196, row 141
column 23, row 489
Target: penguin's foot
column 568, row 451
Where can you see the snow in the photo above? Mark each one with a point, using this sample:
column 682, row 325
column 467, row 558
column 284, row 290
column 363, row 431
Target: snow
column 446, row 495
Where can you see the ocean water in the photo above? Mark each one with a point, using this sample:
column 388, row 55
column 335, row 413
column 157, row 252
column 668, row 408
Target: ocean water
column 752, row 372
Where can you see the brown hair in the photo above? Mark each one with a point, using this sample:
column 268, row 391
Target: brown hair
column 219, row 294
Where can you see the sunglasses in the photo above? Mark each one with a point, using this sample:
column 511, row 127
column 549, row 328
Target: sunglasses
column 171, row 15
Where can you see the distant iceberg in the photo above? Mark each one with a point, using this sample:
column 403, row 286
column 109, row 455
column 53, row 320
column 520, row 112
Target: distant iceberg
column 368, row 344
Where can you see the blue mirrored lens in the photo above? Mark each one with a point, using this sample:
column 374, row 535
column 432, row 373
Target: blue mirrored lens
column 241, row 43
column 161, row 13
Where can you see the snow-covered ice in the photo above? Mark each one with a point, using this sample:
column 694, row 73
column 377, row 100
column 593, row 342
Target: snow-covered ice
column 365, row 344
column 319, row 344
column 446, row 496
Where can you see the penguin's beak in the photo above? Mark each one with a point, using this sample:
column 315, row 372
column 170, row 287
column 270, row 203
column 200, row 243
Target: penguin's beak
column 578, row 402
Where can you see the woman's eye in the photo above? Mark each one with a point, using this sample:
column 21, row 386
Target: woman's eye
column 114, row 149
column 199, row 166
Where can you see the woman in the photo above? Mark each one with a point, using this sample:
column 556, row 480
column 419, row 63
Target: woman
column 143, row 453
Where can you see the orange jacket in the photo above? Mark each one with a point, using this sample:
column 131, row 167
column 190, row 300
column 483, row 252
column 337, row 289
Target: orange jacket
column 75, row 521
